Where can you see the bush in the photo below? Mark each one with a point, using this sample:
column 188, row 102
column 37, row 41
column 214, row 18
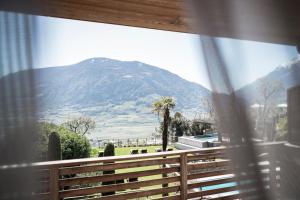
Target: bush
column 282, row 130
column 109, row 151
column 75, row 146
column 54, row 147
column 72, row 145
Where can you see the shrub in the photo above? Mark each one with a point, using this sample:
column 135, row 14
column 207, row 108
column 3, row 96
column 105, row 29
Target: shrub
column 282, row 129
column 100, row 154
column 54, row 147
column 109, row 151
column 72, row 145
column 75, row 146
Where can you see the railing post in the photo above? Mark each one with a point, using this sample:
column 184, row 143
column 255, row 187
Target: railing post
column 54, row 184
column 183, row 176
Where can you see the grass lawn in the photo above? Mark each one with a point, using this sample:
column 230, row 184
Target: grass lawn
column 121, row 151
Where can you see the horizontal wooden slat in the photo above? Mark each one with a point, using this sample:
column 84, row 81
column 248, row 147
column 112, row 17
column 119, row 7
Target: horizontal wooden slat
column 112, row 177
column 41, row 196
column 174, row 197
column 117, row 187
column 210, row 192
column 206, row 156
column 209, row 174
column 211, row 182
column 205, row 165
column 86, row 161
column 42, row 174
column 42, row 186
column 113, row 166
column 227, row 197
column 140, row 194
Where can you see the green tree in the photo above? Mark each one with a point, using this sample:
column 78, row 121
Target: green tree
column 162, row 107
column 179, row 125
column 196, row 128
column 54, row 147
column 72, row 145
column 282, row 129
column 200, row 127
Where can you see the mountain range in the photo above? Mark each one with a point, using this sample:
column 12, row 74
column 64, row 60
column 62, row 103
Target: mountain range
column 288, row 75
column 99, row 81
column 118, row 94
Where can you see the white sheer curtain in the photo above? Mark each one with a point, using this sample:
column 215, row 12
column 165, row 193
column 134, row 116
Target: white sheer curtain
column 262, row 170
column 17, row 115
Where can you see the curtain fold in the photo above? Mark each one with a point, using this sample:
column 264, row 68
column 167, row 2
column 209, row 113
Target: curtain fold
column 263, row 170
column 17, row 115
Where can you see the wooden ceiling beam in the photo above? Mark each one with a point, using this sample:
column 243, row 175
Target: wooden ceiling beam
column 146, row 14
column 259, row 20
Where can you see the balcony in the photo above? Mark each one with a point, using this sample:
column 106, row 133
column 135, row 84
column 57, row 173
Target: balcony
column 188, row 174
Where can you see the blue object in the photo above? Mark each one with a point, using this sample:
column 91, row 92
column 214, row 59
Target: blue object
column 219, row 186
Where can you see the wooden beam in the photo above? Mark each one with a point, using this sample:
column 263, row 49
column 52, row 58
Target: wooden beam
column 113, row 177
column 116, row 187
column 183, row 176
column 258, row 20
column 54, row 184
column 114, row 166
column 163, row 14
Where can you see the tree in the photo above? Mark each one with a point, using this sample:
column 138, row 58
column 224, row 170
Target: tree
column 80, row 125
column 282, row 129
column 179, row 125
column 162, row 107
column 72, row 145
column 267, row 89
column 195, row 128
column 207, row 105
column 54, row 147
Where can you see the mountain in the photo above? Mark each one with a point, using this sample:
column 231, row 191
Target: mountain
column 287, row 74
column 115, row 93
column 101, row 80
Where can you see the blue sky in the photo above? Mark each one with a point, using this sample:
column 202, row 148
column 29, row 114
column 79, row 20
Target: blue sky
column 64, row 42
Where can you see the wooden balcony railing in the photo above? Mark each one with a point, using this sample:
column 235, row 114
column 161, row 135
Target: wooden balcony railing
column 165, row 175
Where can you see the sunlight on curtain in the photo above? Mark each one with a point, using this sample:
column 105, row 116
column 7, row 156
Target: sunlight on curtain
column 17, row 115
column 263, row 168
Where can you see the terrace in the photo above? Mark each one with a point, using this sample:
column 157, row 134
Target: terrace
column 204, row 173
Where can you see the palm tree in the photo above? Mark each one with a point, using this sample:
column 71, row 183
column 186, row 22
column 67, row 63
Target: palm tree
column 179, row 126
column 162, row 107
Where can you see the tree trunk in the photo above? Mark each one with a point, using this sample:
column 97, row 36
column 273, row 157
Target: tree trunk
column 165, row 141
column 165, row 130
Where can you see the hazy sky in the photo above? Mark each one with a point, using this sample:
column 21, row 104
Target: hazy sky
column 64, row 42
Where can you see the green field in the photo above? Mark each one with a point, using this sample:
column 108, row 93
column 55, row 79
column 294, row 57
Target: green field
column 121, row 151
